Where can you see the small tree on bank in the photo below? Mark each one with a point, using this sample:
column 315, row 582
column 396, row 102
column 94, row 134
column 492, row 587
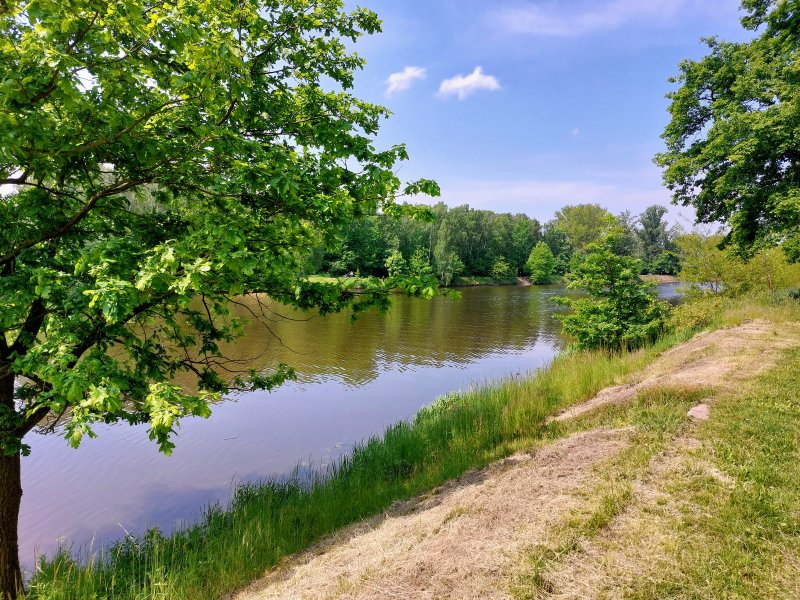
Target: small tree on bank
column 621, row 311
column 541, row 264
column 501, row 269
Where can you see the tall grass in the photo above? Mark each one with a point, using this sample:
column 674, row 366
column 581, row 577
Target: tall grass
column 266, row 522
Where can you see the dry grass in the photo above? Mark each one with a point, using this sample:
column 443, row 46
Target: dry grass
column 458, row 542
column 596, row 506
column 721, row 359
column 645, row 551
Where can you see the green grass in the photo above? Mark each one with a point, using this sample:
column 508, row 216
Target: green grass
column 742, row 535
column 267, row 522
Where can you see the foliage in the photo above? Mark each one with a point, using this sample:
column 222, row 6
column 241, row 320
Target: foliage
column 448, row 265
column 468, row 242
column 583, row 224
column 655, row 242
column 395, row 264
column 541, row 264
column 621, row 311
column 695, row 313
column 500, row 268
column 559, row 245
column 158, row 159
column 732, row 139
column 706, row 266
column 162, row 187
column 459, row 240
column 630, row 244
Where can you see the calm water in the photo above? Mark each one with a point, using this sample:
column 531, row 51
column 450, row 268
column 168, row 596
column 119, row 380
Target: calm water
column 354, row 379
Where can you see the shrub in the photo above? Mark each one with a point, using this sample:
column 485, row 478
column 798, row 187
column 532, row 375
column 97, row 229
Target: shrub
column 621, row 311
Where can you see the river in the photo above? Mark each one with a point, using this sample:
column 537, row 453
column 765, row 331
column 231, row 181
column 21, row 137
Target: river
column 354, row 379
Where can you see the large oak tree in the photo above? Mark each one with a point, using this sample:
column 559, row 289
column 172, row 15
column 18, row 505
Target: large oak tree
column 733, row 143
column 156, row 160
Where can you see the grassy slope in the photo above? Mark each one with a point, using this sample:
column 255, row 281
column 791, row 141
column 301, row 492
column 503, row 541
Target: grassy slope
column 271, row 521
column 458, row 433
column 691, row 509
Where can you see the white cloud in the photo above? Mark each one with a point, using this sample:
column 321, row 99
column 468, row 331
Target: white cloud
column 568, row 19
column 462, row 86
column 575, row 131
column 403, row 80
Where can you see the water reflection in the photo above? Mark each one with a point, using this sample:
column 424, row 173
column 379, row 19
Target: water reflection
column 412, row 334
column 354, row 379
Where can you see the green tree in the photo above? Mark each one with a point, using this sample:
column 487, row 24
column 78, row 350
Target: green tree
column 541, row 264
column 500, row 269
column 621, row 311
column 708, row 268
column 559, row 245
column 395, row 264
column 525, row 234
column 162, row 159
column 732, row 150
column 630, row 245
column 583, row 223
column 653, row 235
column 447, row 262
column 705, row 266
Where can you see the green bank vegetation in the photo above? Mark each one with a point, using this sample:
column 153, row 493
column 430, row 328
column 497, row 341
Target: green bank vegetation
column 460, row 431
column 265, row 523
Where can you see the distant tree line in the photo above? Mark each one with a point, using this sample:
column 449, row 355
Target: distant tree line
column 463, row 241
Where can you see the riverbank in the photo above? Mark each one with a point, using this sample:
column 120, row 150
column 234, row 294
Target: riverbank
column 646, row 491
column 458, row 281
column 477, row 281
column 268, row 523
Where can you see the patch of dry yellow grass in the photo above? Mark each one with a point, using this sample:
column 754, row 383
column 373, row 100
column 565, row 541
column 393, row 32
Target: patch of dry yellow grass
column 465, row 539
column 459, row 542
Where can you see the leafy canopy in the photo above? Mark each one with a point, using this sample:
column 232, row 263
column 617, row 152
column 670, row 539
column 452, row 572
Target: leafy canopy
column 541, row 264
column 158, row 159
column 732, row 142
column 707, row 268
column 583, row 223
column 620, row 310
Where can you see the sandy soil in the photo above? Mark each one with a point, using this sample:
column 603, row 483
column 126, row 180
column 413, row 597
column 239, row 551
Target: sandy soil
column 464, row 540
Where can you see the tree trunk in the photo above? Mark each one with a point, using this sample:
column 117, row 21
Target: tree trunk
column 10, row 497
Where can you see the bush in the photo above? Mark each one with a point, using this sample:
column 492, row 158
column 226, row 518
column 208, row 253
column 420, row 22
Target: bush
column 621, row 311
column 541, row 264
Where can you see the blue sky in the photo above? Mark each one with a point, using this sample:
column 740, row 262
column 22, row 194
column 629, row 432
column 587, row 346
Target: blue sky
column 568, row 104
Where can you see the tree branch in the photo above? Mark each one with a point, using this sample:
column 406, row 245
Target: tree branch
column 77, row 218
column 30, row 329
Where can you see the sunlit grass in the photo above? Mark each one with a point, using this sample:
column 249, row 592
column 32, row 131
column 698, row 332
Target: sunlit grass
column 269, row 521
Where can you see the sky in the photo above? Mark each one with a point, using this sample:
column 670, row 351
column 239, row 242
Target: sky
column 525, row 106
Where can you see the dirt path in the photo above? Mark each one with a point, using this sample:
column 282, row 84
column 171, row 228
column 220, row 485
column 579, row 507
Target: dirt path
column 720, row 359
column 464, row 539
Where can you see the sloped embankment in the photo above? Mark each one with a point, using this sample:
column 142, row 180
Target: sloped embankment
column 564, row 520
